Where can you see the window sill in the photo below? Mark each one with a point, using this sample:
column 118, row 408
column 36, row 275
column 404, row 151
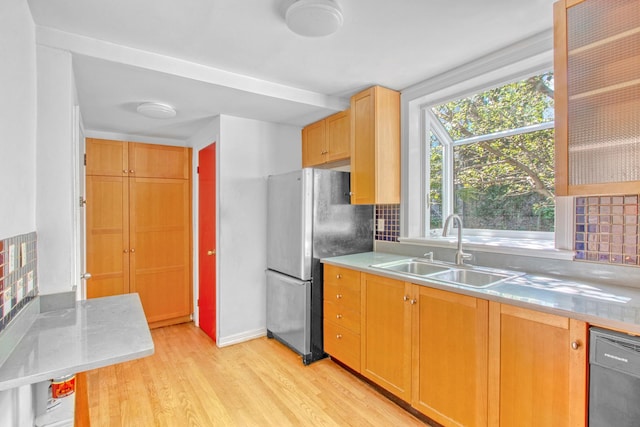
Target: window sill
column 500, row 245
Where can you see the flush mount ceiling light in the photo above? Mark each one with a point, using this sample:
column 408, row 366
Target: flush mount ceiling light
column 314, row 18
column 156, row 110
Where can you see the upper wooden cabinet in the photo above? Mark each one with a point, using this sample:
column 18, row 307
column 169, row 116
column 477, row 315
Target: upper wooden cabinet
column 597, row 96
column 375, row 147
column 122, row 158
column 327, row 140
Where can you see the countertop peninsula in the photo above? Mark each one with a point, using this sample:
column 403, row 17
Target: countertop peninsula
column 93, row 334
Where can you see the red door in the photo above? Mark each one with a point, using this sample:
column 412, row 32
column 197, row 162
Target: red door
column 207, row 239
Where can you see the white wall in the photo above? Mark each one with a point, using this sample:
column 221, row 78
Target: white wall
column 247, row 152
column 17, row 156
column 17, row 119
column 55, row 172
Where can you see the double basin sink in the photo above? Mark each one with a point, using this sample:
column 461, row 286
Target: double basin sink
column 464, row 275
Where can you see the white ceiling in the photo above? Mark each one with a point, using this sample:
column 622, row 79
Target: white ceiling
column 237, row 57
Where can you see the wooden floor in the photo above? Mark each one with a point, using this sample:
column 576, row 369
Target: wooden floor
column 191, row 382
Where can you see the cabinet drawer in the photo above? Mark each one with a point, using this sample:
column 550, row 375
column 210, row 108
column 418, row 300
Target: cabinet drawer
column 344, row 297
column 342, row 316
column 342, row 344
column 341, row 276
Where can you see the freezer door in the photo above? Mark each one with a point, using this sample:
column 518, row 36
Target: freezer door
column 289, row 210
column 289, row 310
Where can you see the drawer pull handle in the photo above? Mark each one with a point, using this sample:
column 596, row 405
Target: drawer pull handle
column 338, row 296
column 338, row 276
column 338, row 316
column 339, row 336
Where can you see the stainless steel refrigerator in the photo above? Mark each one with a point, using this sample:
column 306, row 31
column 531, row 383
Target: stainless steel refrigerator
column 309, row 217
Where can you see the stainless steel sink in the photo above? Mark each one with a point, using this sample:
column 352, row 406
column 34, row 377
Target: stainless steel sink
column 473, row 278
column 412, row 266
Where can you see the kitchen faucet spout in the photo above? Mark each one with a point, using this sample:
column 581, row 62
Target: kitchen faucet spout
column 460, row 254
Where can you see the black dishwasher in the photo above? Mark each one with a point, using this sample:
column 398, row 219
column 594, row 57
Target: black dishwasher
column 614, row 379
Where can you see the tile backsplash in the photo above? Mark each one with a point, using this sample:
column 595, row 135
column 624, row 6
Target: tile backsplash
column 387, row 224
column 607, row 229
column 18, row 276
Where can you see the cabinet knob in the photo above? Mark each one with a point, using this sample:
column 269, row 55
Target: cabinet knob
column 323, row 152
column 339, row 336
column 126, row 251
column 124, row 171
column 338, row 276
column 405, row 298
column 85, row 276
column 338, row 296
column 575, row 345
column 338, row 316
column 131, row 171
column 211, row 252
column 413, row 301
column 133, row 250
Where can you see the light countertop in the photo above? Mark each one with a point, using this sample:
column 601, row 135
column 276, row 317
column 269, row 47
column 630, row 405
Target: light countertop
column 604, row 305
column 95, row 333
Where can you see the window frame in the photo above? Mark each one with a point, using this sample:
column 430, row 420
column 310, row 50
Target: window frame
column 433, row 124
column 530, row 56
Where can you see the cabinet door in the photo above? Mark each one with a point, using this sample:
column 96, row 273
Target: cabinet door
column 107, row 231
column 338, row 133
column 106, row 158
column 363, row 159
column 537, row 369
column 450, row 341
column 375, row 146
column 161, row 246
column 159, row 161
column 314, row 149
column 597, row 96
column 386, row 334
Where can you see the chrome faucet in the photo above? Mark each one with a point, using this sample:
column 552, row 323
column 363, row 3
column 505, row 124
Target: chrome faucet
column 460, row 255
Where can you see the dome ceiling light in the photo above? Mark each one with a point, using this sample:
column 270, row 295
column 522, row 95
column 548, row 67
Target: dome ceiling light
column 156, row 110
column 314, row 18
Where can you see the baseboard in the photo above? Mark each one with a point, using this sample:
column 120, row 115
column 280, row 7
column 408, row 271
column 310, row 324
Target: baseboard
column 241, row 337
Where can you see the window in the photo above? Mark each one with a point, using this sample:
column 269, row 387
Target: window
column 490, row 159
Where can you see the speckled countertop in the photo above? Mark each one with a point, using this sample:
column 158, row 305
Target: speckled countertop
column 95, row 333
column 599, row 304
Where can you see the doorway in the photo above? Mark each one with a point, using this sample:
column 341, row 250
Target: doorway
column 207, row 240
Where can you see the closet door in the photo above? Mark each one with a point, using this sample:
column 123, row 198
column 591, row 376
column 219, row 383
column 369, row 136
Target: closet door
column 160, row 256
column 107, row 231
column 106, row 158
column 159, row 161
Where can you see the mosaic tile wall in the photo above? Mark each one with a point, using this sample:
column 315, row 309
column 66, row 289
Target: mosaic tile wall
column 18, row 279
column 390, row 230
column 607, row 229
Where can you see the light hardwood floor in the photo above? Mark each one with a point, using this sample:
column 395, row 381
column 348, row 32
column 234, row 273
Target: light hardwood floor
column 191, row 382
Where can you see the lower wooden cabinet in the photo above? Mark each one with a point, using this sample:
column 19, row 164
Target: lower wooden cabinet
column 386, row 334
column 342, row 304
column 450, row 357
column 460, row 360
column 538, row 368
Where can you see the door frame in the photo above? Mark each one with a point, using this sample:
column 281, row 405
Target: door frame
column 196, row 235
